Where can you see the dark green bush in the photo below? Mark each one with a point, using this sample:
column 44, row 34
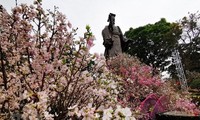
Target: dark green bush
column 195, row 84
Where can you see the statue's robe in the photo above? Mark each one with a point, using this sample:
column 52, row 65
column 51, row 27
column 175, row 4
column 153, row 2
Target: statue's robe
column 112, row 41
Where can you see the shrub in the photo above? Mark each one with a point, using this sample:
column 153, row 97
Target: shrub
column 195, row 84
column 144, row 92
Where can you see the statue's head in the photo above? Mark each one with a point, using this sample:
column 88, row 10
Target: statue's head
column 111, row 18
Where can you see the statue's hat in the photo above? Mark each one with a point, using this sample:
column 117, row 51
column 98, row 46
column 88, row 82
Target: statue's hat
column 111, row 14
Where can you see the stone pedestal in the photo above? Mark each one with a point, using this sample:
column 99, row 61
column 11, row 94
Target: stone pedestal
column 174, row 115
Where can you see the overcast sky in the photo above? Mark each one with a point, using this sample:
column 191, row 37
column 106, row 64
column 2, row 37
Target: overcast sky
column 129, row 13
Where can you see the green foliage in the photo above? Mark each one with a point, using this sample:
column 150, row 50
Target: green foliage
column 191, row 75
column 154, row 43
column 39, row 1
column 195, row 84
column 89, row 33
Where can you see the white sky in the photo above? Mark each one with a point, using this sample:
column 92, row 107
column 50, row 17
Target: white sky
column 129, row 13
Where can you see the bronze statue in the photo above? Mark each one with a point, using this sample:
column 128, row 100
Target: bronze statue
column 113, row 39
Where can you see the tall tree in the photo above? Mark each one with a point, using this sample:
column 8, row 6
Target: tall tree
column 189, row 46
column 154, row 43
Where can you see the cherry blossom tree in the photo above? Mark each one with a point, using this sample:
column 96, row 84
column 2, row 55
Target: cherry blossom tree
column 45, row 72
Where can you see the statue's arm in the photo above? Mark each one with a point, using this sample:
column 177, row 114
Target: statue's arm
column 107, row 40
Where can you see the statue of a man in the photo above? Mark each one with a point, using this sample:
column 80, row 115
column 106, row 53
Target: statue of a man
column 113, row 39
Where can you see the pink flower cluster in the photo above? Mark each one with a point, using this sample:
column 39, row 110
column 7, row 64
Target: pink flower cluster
column 187, row 106
column 142, row 75
column 143, row 90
